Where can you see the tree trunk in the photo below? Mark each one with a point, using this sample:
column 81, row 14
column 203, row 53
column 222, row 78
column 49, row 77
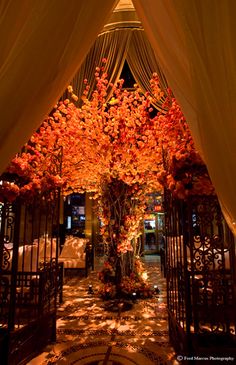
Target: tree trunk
column 119, row 211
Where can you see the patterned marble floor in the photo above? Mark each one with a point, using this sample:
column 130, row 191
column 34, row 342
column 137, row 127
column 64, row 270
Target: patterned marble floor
column 90, row 334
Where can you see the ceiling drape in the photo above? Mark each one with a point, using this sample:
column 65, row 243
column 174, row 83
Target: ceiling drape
column 143, row 62
column 116, row 46
column 195, row 44
column 109, row 45
column 42, row 46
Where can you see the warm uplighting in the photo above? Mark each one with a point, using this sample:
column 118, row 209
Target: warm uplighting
column 156, row 289
column 134, row 296
column 144, row 276
column 90, row 289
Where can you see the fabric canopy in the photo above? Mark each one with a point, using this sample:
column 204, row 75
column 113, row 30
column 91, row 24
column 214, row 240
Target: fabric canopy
column 143, row 62
column 118, row 45
column 42, row 44
column 113, row 47
column 194, row 40
column 195, row 44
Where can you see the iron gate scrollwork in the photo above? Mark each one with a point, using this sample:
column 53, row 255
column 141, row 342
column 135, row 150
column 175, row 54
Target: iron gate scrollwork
column 30, row 276
column 201, row 281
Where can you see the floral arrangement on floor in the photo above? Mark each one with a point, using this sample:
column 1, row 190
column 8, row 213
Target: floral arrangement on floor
column 107, row 291
column 133, row 286
column 107, row 275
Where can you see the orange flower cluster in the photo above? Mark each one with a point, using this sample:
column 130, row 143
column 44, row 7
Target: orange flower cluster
column 38, row 166
column 107, row 291
column 184, row 172
column 106, row 275
column 133, row 283
column 130, row 284
column 8, row 191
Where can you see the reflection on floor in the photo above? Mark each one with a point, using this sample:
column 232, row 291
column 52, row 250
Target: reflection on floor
column 88, row 334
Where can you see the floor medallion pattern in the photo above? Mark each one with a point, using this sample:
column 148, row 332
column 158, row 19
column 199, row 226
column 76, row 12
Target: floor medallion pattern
column 89, row 334
column 97, row 352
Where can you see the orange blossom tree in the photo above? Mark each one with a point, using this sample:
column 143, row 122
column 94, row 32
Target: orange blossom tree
column 115, row 150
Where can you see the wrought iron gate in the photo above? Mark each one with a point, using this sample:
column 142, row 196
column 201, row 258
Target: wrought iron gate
column 201, row 277
column 30, row 277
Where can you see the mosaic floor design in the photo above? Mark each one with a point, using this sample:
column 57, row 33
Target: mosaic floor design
column 89, row 334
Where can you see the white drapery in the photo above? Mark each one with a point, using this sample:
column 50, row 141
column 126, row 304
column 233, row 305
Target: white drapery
column 113, row 47
column 143, row 62
column 116, row 46
column 42, row 45
column 45, row 42
column 195, row 44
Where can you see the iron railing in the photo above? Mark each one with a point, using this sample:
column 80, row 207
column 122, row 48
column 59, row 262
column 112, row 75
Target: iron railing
column 30, row 276
column 201, row 279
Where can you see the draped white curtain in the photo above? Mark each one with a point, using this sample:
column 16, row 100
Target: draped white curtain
column 195, row 44
column 42, row 44
column 110, row 45
column 143, row 62
column 116, row 46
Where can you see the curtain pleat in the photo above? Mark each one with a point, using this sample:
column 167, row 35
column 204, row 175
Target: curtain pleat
column 165, row 32
column 143, row 63
column 194, row 41
column 109, row 45
column 43, row 43
column 117, row 46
